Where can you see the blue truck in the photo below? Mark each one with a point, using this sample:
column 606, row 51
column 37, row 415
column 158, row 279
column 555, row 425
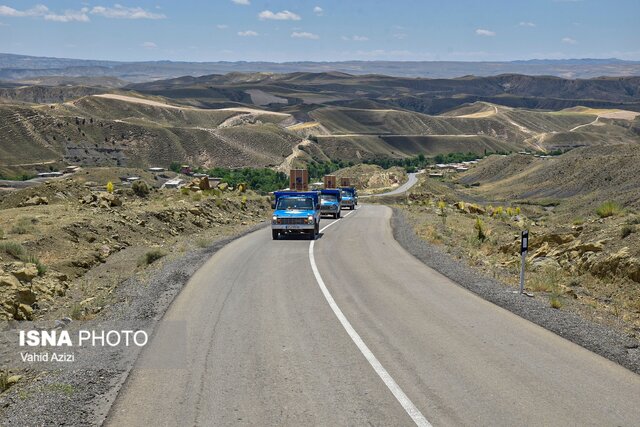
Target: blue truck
column 330, row 202
column 349, row 197
column 296, row 212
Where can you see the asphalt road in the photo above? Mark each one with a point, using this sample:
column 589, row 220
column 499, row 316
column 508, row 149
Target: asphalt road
column 267, row 345
column 411, row 181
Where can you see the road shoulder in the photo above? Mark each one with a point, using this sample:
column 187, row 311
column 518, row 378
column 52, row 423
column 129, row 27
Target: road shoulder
column 83, row 397
column 602, row 340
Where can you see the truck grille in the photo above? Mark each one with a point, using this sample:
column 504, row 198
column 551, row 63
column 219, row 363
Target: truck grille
column 289, row 221
column 326, row 207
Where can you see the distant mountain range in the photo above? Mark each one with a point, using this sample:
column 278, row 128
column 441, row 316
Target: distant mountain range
column 21, row 67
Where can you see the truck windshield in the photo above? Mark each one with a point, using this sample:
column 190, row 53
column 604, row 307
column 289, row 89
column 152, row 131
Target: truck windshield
column 328, row 198
column 302, row 203
column 346, row 193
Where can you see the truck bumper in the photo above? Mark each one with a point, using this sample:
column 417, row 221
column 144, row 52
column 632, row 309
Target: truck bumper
column 293, row 227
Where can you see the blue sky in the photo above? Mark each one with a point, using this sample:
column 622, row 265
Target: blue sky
column 322, row 30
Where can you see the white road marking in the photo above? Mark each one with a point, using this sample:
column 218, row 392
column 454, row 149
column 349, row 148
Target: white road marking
column 402, row 398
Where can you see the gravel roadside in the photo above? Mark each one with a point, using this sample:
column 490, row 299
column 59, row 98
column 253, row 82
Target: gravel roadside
column 602, row 340
column 82, row 396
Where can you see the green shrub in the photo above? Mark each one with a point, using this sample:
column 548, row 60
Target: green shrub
column 1, row 233
column 4, row 380
column 480, row 229
column 627, row 230
column 140, row 188
column 77, row 312
column 18, row 251
column 608, row 209
column 197, row 197
column 23, row 226
column 151, row 257
column 634, row 221
column 185, row 191
column 555, row 301
column 14, row 249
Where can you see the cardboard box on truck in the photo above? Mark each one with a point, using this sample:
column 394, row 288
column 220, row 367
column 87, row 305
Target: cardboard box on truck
column 345, row 182
column 330, row 181
column 299, row 180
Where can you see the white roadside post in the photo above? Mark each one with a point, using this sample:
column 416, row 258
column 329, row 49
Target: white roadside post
column 524, row 247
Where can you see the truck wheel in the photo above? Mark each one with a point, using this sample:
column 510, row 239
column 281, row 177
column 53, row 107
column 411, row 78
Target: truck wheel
column 338, row 215
column 352, row 207
column 312, row 234
column 275, row 234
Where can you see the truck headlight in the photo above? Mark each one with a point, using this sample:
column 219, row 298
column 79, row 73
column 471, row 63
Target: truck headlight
column 274, row 219
column 310, row 219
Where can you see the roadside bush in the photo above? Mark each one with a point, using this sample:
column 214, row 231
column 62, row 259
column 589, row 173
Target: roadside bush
column 140, row 188
column 18, row 251
column 184, row 191
column 4, row 380
column 554, row 300
column 14, row 249
column 480, row 229
column 443, row 213
column 608, row 209
column 151, row 257
column 77, row 312
column 634, row 221
column 627, row 230
column 23, row 226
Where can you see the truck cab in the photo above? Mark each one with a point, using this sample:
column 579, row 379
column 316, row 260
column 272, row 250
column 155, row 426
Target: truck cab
column 296, row 212
column 330, row 202
column 349, row 197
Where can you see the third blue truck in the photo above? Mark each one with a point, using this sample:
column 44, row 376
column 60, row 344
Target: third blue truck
column 349, row 197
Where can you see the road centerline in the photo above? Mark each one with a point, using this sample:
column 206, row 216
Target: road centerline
column 388, row 380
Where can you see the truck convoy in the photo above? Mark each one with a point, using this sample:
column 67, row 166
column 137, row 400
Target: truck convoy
column 296, row 212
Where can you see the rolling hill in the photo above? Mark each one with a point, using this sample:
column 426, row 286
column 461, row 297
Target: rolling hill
column 259, row 119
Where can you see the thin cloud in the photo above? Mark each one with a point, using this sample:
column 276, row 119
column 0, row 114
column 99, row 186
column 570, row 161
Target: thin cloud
column 149, row 45
column 569, row 40
column 69, row 16
column 38, row 10
column 122, row 12
column 248, row 33
column 399, row 36
column 527, row 24
column 242, row 2
column 285, row 15
column 222, row 26
column 355, row 38
column 304, row 35
column 485, row 33
column 82, row 15
column 318, row 11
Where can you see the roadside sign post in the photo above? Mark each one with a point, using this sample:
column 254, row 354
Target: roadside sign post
column 524, row 247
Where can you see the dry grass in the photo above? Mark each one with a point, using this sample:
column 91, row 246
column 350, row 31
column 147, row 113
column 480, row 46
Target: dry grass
column 609, row 208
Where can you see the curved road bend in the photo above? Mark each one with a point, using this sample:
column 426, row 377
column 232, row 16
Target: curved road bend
column 265, row 348
column 411, row 181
